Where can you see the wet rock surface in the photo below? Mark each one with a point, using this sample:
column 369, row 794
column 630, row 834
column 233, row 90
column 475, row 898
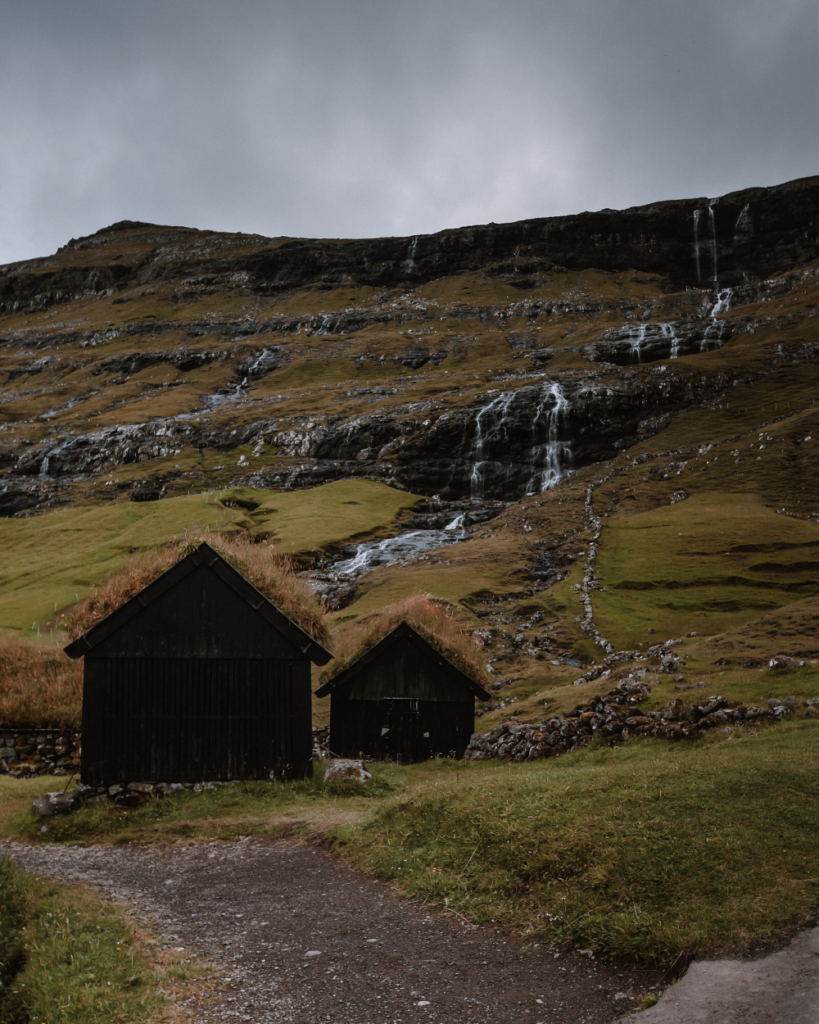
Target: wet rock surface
column 521, row 435
column 298, row 937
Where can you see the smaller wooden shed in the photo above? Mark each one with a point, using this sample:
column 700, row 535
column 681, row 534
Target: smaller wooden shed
column 401, row 700
column 198, row 677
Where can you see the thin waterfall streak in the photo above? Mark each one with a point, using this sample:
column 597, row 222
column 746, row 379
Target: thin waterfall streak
column 697, row 242
column 669, row 331
column 713, row 238
column 549, row 460
column 638, row 342
column 502, row 403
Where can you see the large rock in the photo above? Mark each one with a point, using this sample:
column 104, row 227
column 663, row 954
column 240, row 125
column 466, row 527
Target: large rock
column 343, row 769
column 53, row 803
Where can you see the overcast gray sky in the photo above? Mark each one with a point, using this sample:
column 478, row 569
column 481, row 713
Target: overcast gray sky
column 342, row 118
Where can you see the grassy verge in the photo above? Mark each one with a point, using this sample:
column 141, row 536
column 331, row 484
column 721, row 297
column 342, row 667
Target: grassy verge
column 66, row 957
column 652, row 851
column 246, row 809
column 649, row 852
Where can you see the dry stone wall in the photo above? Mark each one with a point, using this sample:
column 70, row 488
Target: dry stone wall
column 26, row 753
column 615, row 717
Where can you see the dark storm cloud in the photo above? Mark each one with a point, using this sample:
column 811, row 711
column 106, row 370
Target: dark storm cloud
column 357, row 117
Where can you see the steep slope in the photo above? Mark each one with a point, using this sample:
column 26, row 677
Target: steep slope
column 665, row 356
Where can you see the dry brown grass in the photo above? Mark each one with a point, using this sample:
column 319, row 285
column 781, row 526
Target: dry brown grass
column 435, row 624
column 269, row 572
column 39, row 685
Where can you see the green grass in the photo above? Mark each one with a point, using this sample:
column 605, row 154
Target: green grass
column 54, row 559
column 68, row 958
column 248, row 808
column 648, row 852
column 724, row 558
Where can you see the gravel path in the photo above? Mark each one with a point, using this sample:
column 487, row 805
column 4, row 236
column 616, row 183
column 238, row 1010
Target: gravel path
column 303, row 939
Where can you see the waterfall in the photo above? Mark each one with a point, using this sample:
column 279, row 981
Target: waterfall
column 458, row 523
column 697, row 242
column 743, row 224
column 505, row 423
column 549, row 460
column 669, row 331
column 409, row 262
column 723, row 303
column 637, row 343
column 711, row 217
column 499, row 405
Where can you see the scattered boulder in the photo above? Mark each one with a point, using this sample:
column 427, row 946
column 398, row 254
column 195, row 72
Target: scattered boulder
column 342, row 769
column 785, row 661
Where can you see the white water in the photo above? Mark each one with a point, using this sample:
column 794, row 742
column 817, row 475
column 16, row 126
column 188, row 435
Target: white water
column 458, row 523
column 549, row 460
column 637, row 342
column 711, row 217
column 497, row 408
column 373, row 553
column 743, row 224
column 670, row 332
column 640, row 338
column 723, row 303
column 697, row 242
column 409, row 262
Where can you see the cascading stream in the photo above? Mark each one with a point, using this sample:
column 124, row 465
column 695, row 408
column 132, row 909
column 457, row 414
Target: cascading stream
column 504, row 421
column 496, row 409
column 551, row 460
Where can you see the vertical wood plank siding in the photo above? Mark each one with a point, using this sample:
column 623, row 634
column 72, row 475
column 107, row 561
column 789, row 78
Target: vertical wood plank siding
column 192, row 719
column 357, row 728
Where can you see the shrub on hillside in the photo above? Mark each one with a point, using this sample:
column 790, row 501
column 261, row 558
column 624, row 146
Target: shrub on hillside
column 39, row 685
column 434, row 623
column 270, row 573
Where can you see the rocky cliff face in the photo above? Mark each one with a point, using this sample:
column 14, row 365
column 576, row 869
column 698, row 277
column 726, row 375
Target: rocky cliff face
column 485, row 362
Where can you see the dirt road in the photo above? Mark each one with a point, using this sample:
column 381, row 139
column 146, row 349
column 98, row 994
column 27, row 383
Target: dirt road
column 303, row 939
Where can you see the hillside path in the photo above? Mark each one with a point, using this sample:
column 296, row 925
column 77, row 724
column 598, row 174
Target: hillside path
column 301, row 938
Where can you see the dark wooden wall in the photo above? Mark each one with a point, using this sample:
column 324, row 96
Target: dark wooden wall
column 196, row 686
column 187, row 720
column 403, row 704
column 404, row 670
column 416, row 729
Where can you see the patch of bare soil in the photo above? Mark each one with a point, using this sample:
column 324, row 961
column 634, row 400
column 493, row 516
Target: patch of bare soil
column 303, row 939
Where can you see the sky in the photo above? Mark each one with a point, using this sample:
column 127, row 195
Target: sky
column 357, row 118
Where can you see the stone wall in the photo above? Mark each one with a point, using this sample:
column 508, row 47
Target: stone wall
column 28, row 752
column 615, row 717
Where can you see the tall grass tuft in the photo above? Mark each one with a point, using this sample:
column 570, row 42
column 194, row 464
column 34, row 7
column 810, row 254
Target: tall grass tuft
column 39, row 685
column 269, row 572
column 435, row 624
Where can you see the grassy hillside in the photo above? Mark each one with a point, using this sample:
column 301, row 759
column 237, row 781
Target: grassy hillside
column 55, row 559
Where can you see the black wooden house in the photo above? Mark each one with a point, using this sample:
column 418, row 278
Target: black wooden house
column 198, row 677
column 401, row 700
